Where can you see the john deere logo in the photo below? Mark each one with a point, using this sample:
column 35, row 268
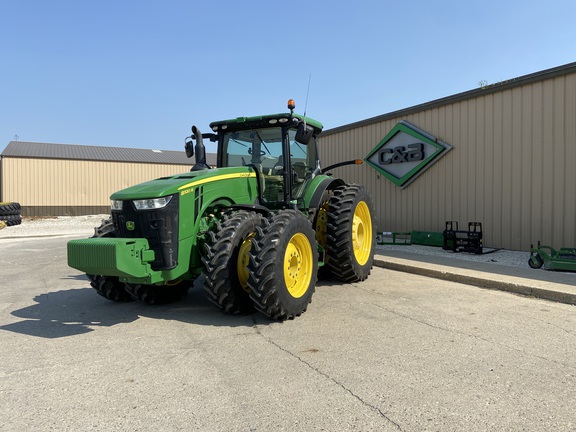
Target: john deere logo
column 130, row 225
column 404, row 153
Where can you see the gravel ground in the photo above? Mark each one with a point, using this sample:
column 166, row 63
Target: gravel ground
column 499, row 257
column 54, row 226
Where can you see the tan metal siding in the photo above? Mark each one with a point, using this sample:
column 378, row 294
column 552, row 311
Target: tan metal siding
column 512, row 167
column 570, row 159
column 44, row 182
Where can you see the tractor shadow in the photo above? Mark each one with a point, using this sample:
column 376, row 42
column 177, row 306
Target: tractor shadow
column 81, row 310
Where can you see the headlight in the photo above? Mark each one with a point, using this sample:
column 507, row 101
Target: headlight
column 116, row 204
column 151, row 204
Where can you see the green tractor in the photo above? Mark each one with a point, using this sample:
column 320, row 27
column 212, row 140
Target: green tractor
column 259, row 228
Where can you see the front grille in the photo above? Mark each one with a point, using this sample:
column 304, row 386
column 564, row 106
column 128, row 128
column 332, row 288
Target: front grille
column 159, row 227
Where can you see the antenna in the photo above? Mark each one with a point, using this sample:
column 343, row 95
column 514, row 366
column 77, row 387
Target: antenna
column 307, row 93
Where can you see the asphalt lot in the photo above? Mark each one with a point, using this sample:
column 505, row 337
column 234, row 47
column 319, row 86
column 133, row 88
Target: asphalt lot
column 396, row 352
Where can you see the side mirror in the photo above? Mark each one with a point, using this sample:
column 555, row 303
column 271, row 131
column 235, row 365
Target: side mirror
column 304, row 133
column 189, row 147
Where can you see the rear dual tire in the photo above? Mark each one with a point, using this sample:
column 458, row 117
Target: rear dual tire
column 350, row 234
column 225, row 259
column 283, row 266
column 283, row 254
column 265, row 264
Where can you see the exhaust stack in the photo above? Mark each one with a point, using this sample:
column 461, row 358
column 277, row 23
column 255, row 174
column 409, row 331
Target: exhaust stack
column 200, row 151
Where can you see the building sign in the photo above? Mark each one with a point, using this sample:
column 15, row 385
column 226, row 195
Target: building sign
column 405, row 153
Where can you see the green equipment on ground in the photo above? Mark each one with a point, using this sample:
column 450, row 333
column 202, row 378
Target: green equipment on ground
column 551, row 259
column 258, row 228
column 393, row 238
column 407, row 238
column 427, row 238
column 457, row 240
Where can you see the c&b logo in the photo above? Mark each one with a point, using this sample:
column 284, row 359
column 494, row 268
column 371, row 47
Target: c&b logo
column 400, row 154
column 405, row 152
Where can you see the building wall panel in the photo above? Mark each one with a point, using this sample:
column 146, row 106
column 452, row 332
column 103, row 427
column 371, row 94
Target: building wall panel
column 67, row 184
column 512, row 166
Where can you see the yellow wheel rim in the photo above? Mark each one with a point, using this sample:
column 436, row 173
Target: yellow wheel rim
column 362, row 233
column 298, row 265
column 321, row 225
column 242, row 263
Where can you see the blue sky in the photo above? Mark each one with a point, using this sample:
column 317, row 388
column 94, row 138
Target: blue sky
column 129, row 73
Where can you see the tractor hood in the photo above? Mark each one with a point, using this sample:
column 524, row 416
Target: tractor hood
column 164, row 186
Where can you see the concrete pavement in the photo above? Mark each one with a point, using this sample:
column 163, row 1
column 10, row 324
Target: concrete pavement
column 544, row 284
column 397, row 352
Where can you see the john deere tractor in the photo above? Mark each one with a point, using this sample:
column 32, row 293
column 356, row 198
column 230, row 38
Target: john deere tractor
column 259, row 227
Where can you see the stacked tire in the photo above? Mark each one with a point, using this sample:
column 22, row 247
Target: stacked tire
column 10, row 213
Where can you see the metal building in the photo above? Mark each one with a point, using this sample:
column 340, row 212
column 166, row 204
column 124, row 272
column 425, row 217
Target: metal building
column 503, row 155
column 61, row 179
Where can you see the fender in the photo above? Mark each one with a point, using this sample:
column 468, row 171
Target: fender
column 326, row 184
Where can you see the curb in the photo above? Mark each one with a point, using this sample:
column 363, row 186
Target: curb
column 521, row 289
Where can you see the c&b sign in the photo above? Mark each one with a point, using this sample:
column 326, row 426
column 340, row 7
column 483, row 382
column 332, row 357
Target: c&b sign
column 405, row 152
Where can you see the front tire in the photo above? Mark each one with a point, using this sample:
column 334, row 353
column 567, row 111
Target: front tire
column 157, row 294
column 283, row 266
column 226, row 259
column 110, row 288
column 351, row 234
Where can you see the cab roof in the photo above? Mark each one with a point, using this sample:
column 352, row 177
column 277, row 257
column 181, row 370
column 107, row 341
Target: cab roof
column 268, row 120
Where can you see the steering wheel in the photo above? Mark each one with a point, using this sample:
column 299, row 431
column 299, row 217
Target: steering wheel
column 251, row 152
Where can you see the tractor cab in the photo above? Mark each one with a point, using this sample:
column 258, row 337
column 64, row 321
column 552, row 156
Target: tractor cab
column 281, row 148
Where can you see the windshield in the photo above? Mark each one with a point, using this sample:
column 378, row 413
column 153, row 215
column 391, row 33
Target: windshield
column 263, row 149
